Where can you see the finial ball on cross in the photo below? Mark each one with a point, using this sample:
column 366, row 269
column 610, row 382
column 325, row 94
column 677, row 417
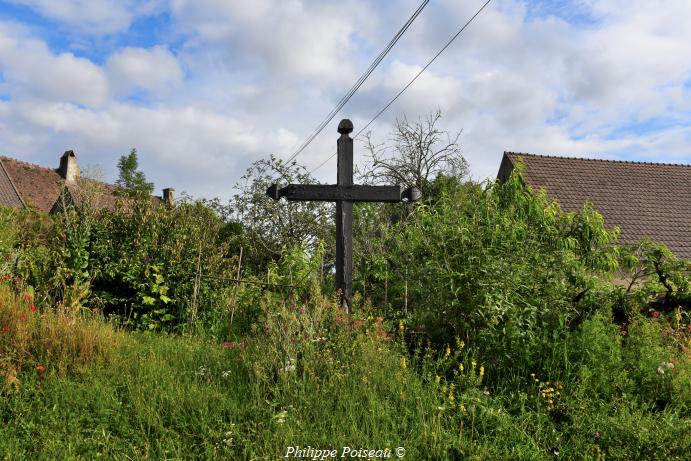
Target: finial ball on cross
column 344, row 193
column 345, row 126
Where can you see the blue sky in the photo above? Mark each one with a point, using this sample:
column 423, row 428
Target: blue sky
column 203, row 88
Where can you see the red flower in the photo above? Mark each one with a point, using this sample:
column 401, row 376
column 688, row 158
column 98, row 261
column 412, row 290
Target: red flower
column 292, row 307
column 302, row 311
column 28, row 297
column 391, row 335
column 655, row 314
column 338, row 318
column 22, row 317
column 230, row 344
column 32, row 308
column 40, row 368
column 5, row 329
column 381, row 332
column 378, row 320
column 358, row 323
column 5, row 277
column 94, row 310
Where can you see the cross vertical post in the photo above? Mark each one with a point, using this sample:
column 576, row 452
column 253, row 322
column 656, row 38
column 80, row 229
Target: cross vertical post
column 344, row 218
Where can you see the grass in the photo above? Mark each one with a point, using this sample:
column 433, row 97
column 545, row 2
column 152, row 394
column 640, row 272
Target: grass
column 314, row 378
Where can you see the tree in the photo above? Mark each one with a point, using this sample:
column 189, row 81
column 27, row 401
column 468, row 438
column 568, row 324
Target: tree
column 272, row 225
column 418, row 153
column 130, row 178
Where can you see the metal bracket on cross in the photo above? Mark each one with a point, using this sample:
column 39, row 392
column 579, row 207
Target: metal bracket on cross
column 344, row 193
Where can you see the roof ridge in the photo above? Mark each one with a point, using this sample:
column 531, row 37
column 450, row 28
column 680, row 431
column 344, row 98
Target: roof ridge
column 631, row 162
column 22, row 162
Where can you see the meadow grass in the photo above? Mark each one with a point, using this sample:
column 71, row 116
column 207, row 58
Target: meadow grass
column 308, row 376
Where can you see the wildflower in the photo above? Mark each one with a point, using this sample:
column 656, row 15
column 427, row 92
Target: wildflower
column 462, row 408
column 302, row 311
column 448, row 352
column 482, row 371
column 391, row 335
column 404, row 363
column 5, row 277
column 292, row 307
column 28, row 297
column 473, row 364
column 378, row 320
column 5, row 329
column 460, row 367
column 289, row 368
column 230, row 344
column 338, row 318
column 655, row 314
column 437, row 379
column 22, row 317
column 40, row 368
column 381, row 332
column 357, row 323
column 281, row 417
column 32, row 308
column 94, row 310
column 202, row 371
column 225, row 374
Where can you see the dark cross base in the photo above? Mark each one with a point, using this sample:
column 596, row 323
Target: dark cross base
column 344, row 193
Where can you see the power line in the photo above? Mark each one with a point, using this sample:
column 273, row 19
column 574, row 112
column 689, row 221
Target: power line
column 359, row 82
column 411, row 82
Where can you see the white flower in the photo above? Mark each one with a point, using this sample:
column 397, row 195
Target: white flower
column 202, row 371
column 661, row 370
column 225, row 374
column 281, row 416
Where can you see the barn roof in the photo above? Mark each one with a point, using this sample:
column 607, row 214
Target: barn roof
column 646, row 200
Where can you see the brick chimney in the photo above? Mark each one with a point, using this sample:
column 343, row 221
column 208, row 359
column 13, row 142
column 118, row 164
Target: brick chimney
column 68, row 166
column 169, row 197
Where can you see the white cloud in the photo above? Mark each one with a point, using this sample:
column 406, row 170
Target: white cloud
column 153, row 69
column 93, row 16
column 31, row 70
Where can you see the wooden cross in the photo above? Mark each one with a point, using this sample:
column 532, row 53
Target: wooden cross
column 344, row 193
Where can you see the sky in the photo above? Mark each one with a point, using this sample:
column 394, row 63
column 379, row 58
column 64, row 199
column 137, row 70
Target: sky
column 203, row 88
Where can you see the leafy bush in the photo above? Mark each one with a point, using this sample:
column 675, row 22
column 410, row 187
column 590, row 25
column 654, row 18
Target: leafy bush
column 501, row 267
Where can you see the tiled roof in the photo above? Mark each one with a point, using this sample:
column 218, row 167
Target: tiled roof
column 37, row 185
column 650, row 200
column 26, row 184
column 8, row 193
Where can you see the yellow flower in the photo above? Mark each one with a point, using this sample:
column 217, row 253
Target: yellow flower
column 448, row 352
column 404, row 364
column 460, row 344
column 451, row 397
column 474, row 364
column 482, row 371
column 460, row 367
column 462, row 408
column 437, row 378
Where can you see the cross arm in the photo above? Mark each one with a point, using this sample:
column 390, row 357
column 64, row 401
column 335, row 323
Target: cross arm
column 353, row 193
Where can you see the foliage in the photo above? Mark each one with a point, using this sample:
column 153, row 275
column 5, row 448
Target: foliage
column 158, row 267
column 35, row 338
column 309, row 376
column 132, row 180
column 501, row 267
column 271, row 225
